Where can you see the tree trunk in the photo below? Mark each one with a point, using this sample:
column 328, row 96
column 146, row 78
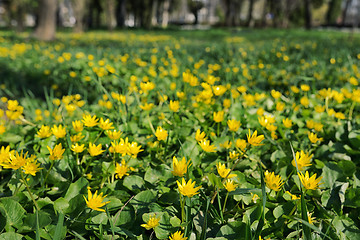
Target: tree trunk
column 264, row 14
column 110, row 14
column 333, row 12
column 344, row 13
column 121, row 13
column 307, row 15
column 165, row 15
column 250, row 10
column 79, row 7
column 47, row 20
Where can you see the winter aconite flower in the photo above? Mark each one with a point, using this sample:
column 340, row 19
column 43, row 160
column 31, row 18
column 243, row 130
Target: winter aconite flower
column 254, row 139
column 95, row 201
column 287, row 123
column 121, row 170
column 313, row 137
column 90, row 121
column 174, row 106
column 177, row 236
column 206, row 146
column 180, row 167
column 95, row 150
column 113, row 134
column 77, row 148
column 302, row 159
column 105, row 124
column 77, row 125
column 161, row 134
column 311, row 183
column 44, row 132
column 57, row 152
column 152, row 222
column 15, row 160
column 233, row 125
column 31, row 166
column 58, row 131
column 273, row 181
column 218, row 116
column 230, row 185
column 187, row 189
column 199, row 135
column 223, row 171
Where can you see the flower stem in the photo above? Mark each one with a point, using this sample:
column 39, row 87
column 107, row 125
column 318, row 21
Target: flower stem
column 29, row 191
column 223, row 209
column 47, row 173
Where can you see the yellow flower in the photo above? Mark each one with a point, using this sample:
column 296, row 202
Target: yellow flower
column 205, row 145
column 255, row 197
column 77, row 148
column 219, row 90
column 273, row 181
column 134, row 149
column 227, row 103
column 95, row 201
column 308, row 182
column 287, row 123
column 31, row 166
column 319, row 108
column 77, row 125
column 293, row 196
column 180, row 167
column 233, row 155
column 95, row 150
column 230, row 185
column 114, row 134
column 313, row 137
column 105, row 124
column 223, row 171
column 76, row 137
column 311, row 220
column 305, row 87
column 199, row 135
column 233, row 125
column 121, row 170
column 177, row 236
column 5, row 154
column 90, row 121
column 187, row 189
column 302, row 159
column 152, row 222
column 44, row 132
column 15, row 160
column 120, row 147
column 147, row 106
column 59, row 131
column 219, row 116
column 241, row 144
column 304, row 101
column 161, row 134
column 57, row 152
column 174, row 106
column 226, row 144
column 275, row 94
column 254, row 139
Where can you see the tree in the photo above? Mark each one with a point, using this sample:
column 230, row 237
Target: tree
column 46, row 27
column 121, row 13
column 194, row 7
column 110, row 14
column 250, row 11
column 333, row 11
column 307, row 15
column 79, row 7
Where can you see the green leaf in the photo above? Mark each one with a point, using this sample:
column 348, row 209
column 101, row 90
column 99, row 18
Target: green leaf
column 175, row 221
column 331, row 172
column 61, row 205
column 44, row 220
column 352, row 198
column 11, row 236
column 348, row 167
column 163, row 230
column 283, row 209
column 13, row 210
column 304, row 216
column 133, row 182
column 60, row 230
column 232, row 230
column 76, row 188
column 143, row 199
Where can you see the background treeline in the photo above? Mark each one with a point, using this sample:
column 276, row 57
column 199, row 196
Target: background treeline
column 47, row 15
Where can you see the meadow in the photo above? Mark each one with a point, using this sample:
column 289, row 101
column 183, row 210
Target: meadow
column 214, row 134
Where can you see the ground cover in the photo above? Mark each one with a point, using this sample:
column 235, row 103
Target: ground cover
column 201, row 134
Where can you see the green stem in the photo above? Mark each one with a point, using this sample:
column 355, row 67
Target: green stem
column 227, row 194
column 182, row 203
column 98, row 136
column 352, row 110
column 48, row 172
column 29, row 191
column 221, row 211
